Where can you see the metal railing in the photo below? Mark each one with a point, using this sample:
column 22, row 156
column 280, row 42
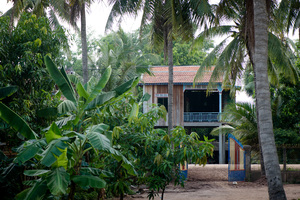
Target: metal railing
column 201, row 117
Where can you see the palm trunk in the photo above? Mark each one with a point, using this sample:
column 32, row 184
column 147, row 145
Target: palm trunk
column 170, row 84
column 84, row 45
column 263, row 102
column 249, row 30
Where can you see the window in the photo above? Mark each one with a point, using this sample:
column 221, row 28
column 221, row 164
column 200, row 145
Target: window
column 163, row 101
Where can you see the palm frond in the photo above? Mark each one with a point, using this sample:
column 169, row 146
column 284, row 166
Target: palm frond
column 281, row 55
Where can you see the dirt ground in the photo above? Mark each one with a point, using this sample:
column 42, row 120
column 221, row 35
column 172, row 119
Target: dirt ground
column 211, row 182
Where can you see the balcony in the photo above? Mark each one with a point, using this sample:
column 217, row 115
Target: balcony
column 201, row 117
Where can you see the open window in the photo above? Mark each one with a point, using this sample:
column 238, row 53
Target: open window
column 198, row 101
column 163, row 101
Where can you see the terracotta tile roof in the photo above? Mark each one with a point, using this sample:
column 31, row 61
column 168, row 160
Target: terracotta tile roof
column 182, row 75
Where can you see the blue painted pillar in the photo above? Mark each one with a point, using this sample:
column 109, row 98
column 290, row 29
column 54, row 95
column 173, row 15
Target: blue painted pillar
column 221, row 136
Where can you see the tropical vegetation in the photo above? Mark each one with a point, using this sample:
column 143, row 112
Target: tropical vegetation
column 71, row 134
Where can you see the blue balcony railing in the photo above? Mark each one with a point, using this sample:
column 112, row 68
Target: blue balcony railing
column 201, row 117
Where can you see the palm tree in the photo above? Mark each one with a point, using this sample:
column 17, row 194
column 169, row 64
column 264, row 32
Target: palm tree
column 289, row 15
column 123, row 53
column 263, row 101
column 169, row 19
column 242, row 123
column 77, row 10
column 228, row 57
column 231, row 60
column 51, row 9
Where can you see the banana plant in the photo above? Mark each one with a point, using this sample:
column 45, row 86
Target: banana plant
column 57, row 157
column 11, row 118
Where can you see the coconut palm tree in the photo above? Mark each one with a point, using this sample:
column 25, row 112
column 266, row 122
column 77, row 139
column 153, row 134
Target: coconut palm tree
column 255, row 40
column 263, row 101
column 237, row 48
column 123, row 53
column 78, row 10
column 241, row 122
column 229, row 56
column 169, row 19
column 52, row 9
column 289, row 15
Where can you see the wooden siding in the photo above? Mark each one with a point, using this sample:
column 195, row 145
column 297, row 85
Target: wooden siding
column 178, row 102
column 162, row 89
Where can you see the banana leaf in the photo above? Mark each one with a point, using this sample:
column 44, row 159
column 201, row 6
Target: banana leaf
column 54, row 150
column 96, row 137
column 100, row 100
column 7, row 91
column 36, row 192
column 52, row 134
column 66, row 106
column 60, row 80
column 63, row 72
column 58, row 181
column 100, row 85
column 81, row 91
column 36, row 172
column 113, row 95
column 134, row 112
column 126, row 86
column 95, row 172
column 28, row 152
column 61, row 123
column 16, row 122
column 89, row 181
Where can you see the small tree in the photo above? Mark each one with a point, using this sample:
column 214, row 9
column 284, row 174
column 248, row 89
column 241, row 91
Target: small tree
column 149, row 149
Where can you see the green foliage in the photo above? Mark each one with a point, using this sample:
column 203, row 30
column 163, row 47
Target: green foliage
column 286, row 137
column 11, row 118
column 155, row 154
column 7, row 91
column 57, row 181
column 230, row 54
column 242, row 123
column 286, row 105
column 58, row 157
column 185, row 53
column 21, row 64
column 11, row 177
column 123, row 52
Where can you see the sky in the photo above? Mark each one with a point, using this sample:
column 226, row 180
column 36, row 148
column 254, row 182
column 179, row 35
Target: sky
column 97, row 16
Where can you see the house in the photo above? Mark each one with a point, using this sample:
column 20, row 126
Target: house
column 192, row 106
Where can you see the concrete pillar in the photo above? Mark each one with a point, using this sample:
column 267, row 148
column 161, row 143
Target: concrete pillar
column 221, row 136
column 221, row 147
column 247, row 149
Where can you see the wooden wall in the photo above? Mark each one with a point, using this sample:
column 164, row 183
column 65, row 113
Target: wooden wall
column 178, row 101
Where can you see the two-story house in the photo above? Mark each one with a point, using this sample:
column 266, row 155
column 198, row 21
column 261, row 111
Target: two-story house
column 192, row 106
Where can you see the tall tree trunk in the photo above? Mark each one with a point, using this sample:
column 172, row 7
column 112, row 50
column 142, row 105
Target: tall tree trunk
column 84, row 45
column 249, row 38
column 263, row 102
column 170, row 84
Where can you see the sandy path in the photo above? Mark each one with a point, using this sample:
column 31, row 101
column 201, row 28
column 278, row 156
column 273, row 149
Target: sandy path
column 211, row 182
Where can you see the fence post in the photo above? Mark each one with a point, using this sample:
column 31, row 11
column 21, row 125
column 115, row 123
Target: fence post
column 247, row 149
column 284, row 164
